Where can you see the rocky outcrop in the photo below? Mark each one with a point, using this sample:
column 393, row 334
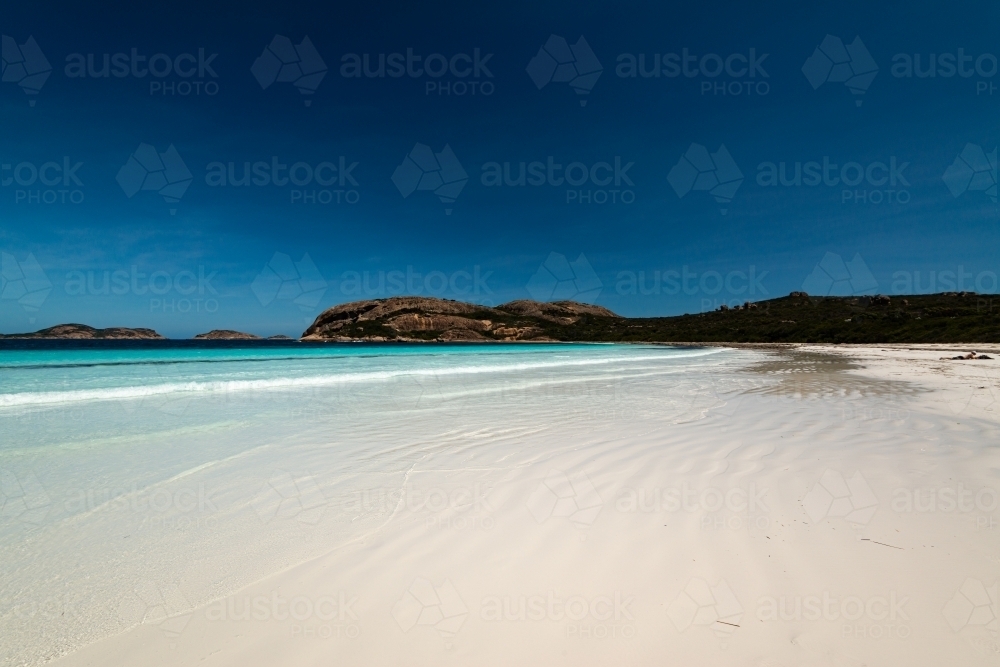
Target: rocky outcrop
column 458, row 334
column 425, row 319
column 84, row 332
column 226, row 334
column 435, row 322
column 332, row 321
column 522, row 333
column 562, row 312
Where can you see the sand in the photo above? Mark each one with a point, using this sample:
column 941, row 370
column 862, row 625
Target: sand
column 822, row 505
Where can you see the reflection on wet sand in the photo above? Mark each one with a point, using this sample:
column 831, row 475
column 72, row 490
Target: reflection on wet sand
column 817, row 375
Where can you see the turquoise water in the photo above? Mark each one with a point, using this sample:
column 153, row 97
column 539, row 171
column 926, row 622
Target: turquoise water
column 123, row 465
column 68, row 396
column 68, row 376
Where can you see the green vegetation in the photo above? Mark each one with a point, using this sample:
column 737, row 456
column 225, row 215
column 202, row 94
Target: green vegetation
column 933, row 318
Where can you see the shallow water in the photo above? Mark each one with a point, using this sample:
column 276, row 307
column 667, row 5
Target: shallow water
column 150, row 480
column 176, row 509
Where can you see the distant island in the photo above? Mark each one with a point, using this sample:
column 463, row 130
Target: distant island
column 950, row 317
column 83, row 332
column 229, row 334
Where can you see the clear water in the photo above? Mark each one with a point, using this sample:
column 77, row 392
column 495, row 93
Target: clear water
column 202, row 468
column 66, row 376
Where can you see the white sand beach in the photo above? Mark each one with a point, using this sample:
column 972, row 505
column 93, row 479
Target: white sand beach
column 822, row 505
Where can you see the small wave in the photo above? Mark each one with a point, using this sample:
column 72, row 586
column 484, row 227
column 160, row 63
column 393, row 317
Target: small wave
column 290, row 383
column 162, row 362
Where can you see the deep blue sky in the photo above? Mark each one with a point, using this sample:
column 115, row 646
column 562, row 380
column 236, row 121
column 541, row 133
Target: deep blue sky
column 783, row 232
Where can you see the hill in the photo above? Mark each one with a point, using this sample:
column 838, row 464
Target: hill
column 426, row 319
column 953, row 317
column 226, row 334
column 84, row 332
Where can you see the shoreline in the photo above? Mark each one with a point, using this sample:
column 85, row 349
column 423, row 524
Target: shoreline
column 773, row 423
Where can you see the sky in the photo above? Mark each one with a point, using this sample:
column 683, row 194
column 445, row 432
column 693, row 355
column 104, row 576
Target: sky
column 191, row 166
